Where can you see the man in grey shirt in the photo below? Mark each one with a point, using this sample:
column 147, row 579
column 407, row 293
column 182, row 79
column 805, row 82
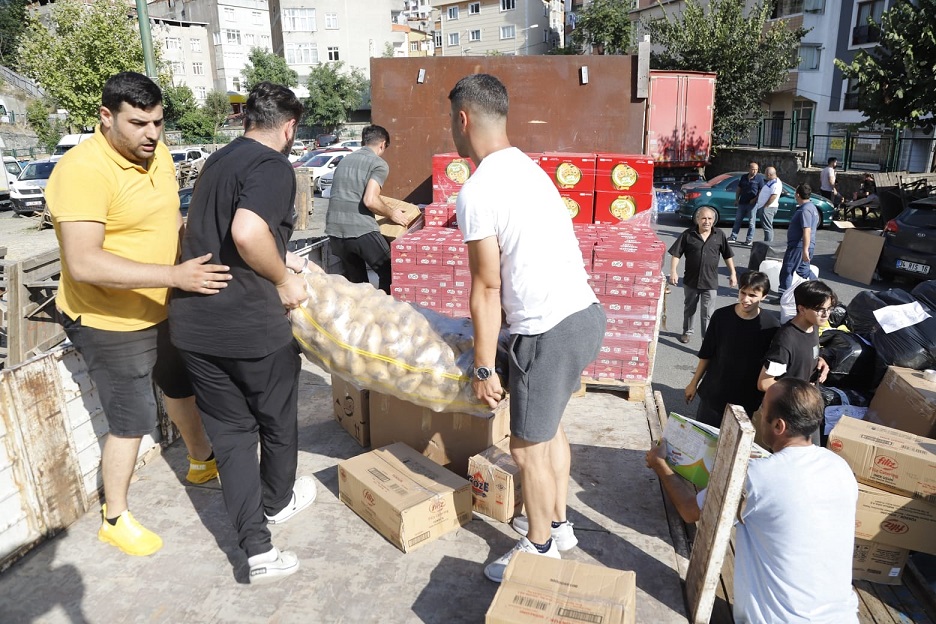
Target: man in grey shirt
column 351, row 222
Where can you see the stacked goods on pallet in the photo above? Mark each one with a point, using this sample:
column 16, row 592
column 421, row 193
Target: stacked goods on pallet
column 430, row 269
column 574, row 176
column 623, row 186
column 449, row 172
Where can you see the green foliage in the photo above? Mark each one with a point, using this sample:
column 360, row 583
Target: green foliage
column 177, row 101
column 87, row 44
column 750, row 56
column 263, row 65
column 12, row 25
column 897, row 79
column 196, row 126
column 387, row 50
column 216, row 108
column 48, row 131
column 605, row 25
column 334, row 94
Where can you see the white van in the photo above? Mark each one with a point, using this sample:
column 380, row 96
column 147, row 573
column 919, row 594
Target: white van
column 11, row 169
column 67, row 142
column 4, row 112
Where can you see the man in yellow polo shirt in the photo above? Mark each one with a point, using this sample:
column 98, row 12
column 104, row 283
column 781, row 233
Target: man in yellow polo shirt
column 115, row 206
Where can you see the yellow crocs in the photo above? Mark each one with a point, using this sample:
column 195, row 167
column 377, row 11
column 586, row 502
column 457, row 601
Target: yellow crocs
column 128, row 535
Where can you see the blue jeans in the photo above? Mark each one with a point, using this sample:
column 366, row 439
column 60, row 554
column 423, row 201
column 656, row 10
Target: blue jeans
column 744, row 211
column 793, row 263
column 766, row 216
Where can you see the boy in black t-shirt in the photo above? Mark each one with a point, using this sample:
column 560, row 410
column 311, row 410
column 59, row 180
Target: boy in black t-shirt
column 732, row 351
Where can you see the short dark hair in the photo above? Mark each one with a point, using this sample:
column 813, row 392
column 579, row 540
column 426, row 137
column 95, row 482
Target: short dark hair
column 798, row 403
column 804, row 191
column 832, row 159
column 755, row 280
column 372, row 135
column 813, row 293
column 135, row 89
column 270, row 105
column 483, row 93
column 754, row 162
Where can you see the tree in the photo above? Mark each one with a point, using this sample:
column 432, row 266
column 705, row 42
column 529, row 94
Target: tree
column 12, row 24
column 177, row 101
column 605, row 25
column 333, row 94
column 217, row 107
column 897, row 79
column 47, row 130
column 87, row 44
column 263, row 65
column 750, row 56
column 196, row 126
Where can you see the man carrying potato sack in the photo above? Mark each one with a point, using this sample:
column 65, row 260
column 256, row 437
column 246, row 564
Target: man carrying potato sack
column 238, row 345
column 524, row 259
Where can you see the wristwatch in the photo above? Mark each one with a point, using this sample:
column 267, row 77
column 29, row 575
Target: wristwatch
column 483, row 372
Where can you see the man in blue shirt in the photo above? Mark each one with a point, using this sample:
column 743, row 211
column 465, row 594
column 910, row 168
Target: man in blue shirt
column 801, row 238
column 745, row 195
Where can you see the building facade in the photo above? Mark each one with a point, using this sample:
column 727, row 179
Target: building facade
column 488, row 27
column 186, row 49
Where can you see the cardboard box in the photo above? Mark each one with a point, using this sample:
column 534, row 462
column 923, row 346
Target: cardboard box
column 878, row 563
column 905, row 401
column 351, row 408
column 557, row 591
column 895, row 520
column 858, row 255
column 404, row 496
column 690, row 448
column 495, row 482
column 581, row 205
column 392, row 230
column 447, row 438
column 886, row 458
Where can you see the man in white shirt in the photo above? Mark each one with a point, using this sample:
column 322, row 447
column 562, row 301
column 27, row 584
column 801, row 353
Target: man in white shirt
column 524, row 260
column 768, row 201
column 827, row 183
column 795, row 533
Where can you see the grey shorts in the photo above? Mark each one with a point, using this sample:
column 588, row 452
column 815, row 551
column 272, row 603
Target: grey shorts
column 546, row 369
column 123, row 366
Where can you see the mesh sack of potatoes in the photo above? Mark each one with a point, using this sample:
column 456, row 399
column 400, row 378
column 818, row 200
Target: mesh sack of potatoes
column 366, row 336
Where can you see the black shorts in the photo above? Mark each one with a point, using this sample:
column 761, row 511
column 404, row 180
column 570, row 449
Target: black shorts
column 123, row 366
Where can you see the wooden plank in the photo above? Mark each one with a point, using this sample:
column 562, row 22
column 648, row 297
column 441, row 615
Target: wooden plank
column 917, row 584
column 875, row 609
column 902, row 604
column 46, row 257
column 718, row 514
column 636, row 390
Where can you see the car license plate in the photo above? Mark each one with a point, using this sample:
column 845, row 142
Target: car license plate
column 34, row 203
column 913, row 267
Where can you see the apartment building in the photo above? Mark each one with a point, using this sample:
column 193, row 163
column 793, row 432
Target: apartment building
column 235, row 27
column 185, row 47
column 509, row 27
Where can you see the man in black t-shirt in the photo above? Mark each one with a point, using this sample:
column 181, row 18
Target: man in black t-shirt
column 732, row 352
column 238, row 345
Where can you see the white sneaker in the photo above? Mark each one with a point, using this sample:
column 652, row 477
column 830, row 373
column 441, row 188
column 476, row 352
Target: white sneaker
column 495, row 571
column 562, row 535
column 303, row 495
column 285, row 563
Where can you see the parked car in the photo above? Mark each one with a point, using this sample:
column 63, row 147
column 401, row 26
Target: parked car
column 351, row 145
column 298, row 149
column 325, row 140
column 185, row 199
column 27, row 193
column 325, row 183
column 309, row 155
column 67, row 142
column 719, row 195
column 194, row 155
column 11, row 171
column 910, row 242
column 322, row 163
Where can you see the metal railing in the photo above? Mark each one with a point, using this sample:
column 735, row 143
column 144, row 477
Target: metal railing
column 777, row 133
column 20, row 82
column 873, row 152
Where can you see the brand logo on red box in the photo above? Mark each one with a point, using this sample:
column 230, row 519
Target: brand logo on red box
column 894, row 526
column 836, row 445
column 885, row 463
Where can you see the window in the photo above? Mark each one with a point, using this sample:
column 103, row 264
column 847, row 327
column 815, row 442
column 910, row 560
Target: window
column 333, row 53
column 809, row 57
column 229, row 14
column 437, row 39
column 331, row 21
column 200, row 92
column 508, row 5
column 302, row 53
column 235, row 83
column 474, row 35
column 814, row 6
column 178, row 68
column 173, row 43
column 195, row 44
column 864, row 32
column 414, row 46
column 250, row 39
column 216, row 37
column 508, row 32
column 299, row 20
column 784, row 8
column 256, row 17
column 474, row 8
column 198, row 69
column 851, row 95
column 453, row 39
column 265, row 42
column 232, row 36
column 453, row 12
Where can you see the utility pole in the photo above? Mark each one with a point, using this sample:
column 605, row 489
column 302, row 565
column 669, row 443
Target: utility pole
column 149, row 61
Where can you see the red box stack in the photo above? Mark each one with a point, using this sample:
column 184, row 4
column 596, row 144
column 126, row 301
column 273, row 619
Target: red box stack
column 623, row 186
column 430, row 269
column 574, row 176
column 449, row 172
column 440, row 215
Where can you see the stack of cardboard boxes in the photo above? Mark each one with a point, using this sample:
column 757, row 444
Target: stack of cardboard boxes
column 896, row 471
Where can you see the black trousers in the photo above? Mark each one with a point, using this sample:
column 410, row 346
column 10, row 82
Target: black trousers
column 243, row 402
column 370, row 250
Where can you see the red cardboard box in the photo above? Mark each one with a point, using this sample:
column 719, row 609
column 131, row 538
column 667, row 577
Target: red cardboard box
column 614, row 207
column 569, row 171
column 581, row 205
column 450, row 171
column 624, row 172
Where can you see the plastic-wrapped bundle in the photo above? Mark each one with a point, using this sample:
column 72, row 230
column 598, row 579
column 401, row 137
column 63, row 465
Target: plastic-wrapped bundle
column 913, row 346
column 861, row 313
column 925, row 293
column 850, row 359
column 843, row 396
column 366, row 336
column 838, row 316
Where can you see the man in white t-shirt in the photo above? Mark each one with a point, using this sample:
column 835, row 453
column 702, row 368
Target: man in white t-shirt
column 524, row 260
column 795, row 533
column 768, row 201
column 828, row 187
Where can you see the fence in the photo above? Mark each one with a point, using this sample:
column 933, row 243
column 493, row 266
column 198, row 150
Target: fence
column 777, row 133
column 29, row 324
column 873, row 152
